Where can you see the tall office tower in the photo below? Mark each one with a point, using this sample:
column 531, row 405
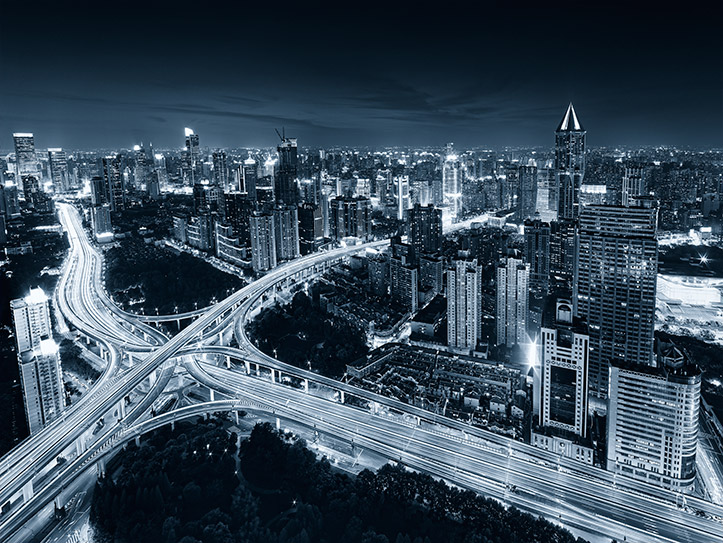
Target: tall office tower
column 239, row 208
column 59, row 170
column 401, row 195
column 3, row 228
column 464, row 304
column 537, row 253
column 12, row 203
column 561, row 395
column 42, row 381
column 452, row 183
column 250, row 177
column 220, row 169
column 378, row 265
column 114, row 183
column 527, row 202
column 32, row 320
column 510, row 186
column 286, row 225
column 562, row 255
column 26, row 163
column 425, row 228
column 652, row 425
column 512, row 301
column 311, row 227
column 615, row 281
column 569, row 163
column 285, row 189
column 633, row 185
column 263, row 242
column 98, row 191
column 102, row 227
column 350, row 217
column 404, row 275
column 191, row 158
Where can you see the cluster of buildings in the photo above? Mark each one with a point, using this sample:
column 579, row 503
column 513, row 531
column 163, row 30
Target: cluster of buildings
column 41, row 374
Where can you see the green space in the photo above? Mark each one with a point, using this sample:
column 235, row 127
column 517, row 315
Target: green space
column 300, row 333
column 183, row 486
column 144, row 278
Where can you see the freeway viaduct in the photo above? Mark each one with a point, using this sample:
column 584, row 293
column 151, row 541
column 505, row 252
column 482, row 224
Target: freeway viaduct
column 581, row 497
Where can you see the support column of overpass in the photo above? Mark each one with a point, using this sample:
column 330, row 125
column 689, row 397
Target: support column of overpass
column 80, row 444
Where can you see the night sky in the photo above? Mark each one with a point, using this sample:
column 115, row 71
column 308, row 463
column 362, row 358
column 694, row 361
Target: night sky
column 107, row 74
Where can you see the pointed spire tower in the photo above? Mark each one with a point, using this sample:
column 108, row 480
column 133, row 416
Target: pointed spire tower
column 569, row 163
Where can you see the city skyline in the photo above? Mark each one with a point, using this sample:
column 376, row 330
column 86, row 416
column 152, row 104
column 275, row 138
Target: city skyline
column 488, row 77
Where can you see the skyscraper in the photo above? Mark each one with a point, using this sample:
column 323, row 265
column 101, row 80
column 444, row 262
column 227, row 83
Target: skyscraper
column 102, row 227
column 285, row 189
column 250, row 177
column 512, row 302
column 464, row 304
column 114, row 182
column 286, row 228
column 527, row 201
column 652, row 426
column 404, row 275
column 569, row 163
column 32, row 320
column 563, row 378
column 191, row 157
column 239, row 207
column 633, row 185
column 537, row 253
column 42, row 380
column 350, row 217
column 425, row 228
column 452, row 183
column 615, row 282
column 26, row 163
column 263, row 242
column 220, row 169
column 311, row 227
column 59, row 169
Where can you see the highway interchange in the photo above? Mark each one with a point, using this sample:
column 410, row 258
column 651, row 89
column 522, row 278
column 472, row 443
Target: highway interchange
column 588, row 499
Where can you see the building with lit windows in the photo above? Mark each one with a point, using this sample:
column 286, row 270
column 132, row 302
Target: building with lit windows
column 41, row 376
column 31, row 317
column 512, row 301
column 464, row 304
column 263, row 242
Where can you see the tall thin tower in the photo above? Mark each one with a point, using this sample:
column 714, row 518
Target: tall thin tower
column 569, row 163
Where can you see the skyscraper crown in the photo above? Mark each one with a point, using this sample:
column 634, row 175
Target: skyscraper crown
column 570, row 122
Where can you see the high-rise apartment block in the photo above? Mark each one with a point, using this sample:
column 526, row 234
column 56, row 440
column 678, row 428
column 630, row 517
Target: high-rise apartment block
column 31, row 317
column 425, row 228
column 464, row 304
column 512, row 301
column 263, row 242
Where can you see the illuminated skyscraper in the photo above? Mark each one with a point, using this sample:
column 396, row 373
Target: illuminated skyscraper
column 263, row 242
column 114, row 182
column 286, row 228
column 652, row 424
column 350, row 217
column 537, row 253
column 285, row 189
column 527, row 201
column 563, row 385
column 633, row 185
column 452, row 183
column 464, row 304
column 42, row 379
column 425, row 228
column 26, row 163
column 31, row 317
column 615, row 283
column 311, row 227
column 59, row 169
column 512, row 302
column 220, row 169
column 250, row 177
column 569, row 163
column 191, row 157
